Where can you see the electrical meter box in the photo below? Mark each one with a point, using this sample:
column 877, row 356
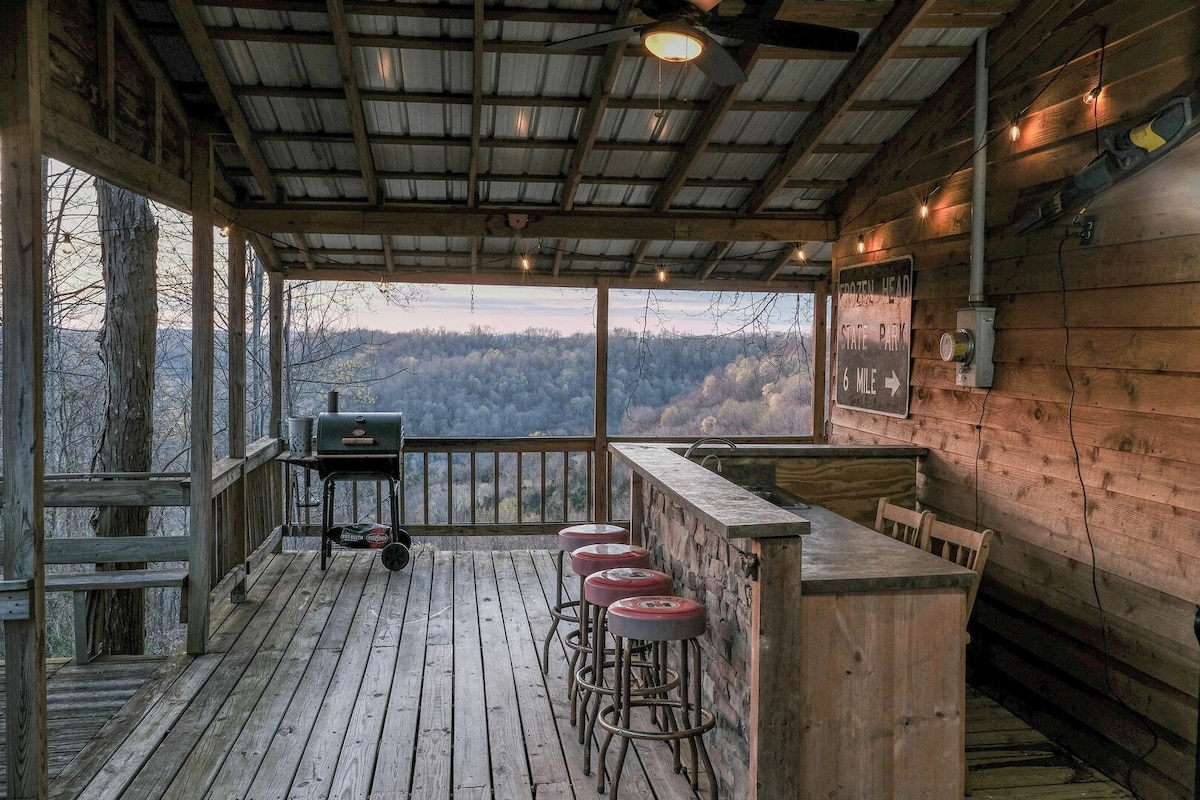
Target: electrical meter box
column 971, row 346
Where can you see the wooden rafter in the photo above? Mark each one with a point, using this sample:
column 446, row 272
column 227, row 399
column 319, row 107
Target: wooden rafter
column 349, row 77
column 870, row 59
column 710, row 120
column 214, row 73
column 1006, row 46
column 773, row 270
column 589, row 127
column 635, row 260
column 302, row 245
column 476, row 103
column 715, row 257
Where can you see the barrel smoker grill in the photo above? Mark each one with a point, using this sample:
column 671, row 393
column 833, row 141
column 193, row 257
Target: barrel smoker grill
column 361, row 447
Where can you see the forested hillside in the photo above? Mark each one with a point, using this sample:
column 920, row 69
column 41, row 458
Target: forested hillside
column 483, row 383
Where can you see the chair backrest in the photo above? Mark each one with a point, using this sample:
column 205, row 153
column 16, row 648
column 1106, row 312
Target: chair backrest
column 903, row 524
column 964, row 547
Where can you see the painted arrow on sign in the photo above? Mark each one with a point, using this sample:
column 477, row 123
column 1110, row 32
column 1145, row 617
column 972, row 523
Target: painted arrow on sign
column 892, row 382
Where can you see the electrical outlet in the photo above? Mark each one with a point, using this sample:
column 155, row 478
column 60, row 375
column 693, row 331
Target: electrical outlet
column 1088, row 228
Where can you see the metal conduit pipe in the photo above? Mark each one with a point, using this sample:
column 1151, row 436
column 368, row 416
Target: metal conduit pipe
column 979, row 172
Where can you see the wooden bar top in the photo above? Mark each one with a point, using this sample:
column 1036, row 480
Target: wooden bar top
column 841, row 556
column 728, row 508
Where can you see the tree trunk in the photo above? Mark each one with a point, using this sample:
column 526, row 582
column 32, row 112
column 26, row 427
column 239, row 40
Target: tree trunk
column 129, row 242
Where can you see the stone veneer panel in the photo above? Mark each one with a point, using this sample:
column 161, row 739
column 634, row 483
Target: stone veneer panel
column 708, row 567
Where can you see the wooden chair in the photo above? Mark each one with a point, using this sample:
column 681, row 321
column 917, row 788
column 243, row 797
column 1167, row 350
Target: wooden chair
column 964, row 547
column 903, row 524
column 969, row 549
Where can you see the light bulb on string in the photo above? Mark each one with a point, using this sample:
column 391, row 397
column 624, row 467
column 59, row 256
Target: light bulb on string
column 67, row 246
column 800, row 254
column 862, row 246
column 1014, row 130
column 924, row 210
column 525, row 263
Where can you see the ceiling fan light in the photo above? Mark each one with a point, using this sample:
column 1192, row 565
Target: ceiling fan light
column 673, row 44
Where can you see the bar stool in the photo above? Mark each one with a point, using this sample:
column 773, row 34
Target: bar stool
column 601, row 589
column 570, row 539
column 585, row 561
column 664, row 619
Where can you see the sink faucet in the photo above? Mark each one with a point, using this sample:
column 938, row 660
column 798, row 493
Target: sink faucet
column 713, row 456
column 708, row 440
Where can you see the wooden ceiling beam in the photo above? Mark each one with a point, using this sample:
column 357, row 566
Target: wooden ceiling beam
column 543, row 223
column 536, row 277
column 839, row 13
column 463, row 259
column 210, row 65
column 867, row 63
column 527, row 177
column 635, row 260
column 640, row 103
column 349, row 77
column 775, row 268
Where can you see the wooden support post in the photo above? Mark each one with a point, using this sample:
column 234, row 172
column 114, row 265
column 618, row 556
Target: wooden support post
column 275, row 345
column 23, row 56
column 236, row 529
column 820, row 367
column 201, row 507
column 776, row 639
column 600, row 497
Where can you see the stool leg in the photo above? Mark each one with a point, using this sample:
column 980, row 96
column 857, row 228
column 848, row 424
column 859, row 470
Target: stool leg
column 584, row 693
column 599, row 637
column 625, row 690
column 619, row 679
column 576, row 653
column 558, row 602
column 693, row 720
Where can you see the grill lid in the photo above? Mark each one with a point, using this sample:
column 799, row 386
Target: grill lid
column 359, row 442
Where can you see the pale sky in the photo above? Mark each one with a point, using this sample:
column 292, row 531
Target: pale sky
column 514, row 309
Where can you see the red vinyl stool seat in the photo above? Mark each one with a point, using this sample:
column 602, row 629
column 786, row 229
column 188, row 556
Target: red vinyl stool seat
column 601, row 589
column 586, row 560
column 666, row 619
column 570, row 539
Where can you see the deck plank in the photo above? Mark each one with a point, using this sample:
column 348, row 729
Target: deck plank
column 397, row 754
column 510, row 771
column 362, row 741
column 360, row 684
column 471, row 768
column 320, row 758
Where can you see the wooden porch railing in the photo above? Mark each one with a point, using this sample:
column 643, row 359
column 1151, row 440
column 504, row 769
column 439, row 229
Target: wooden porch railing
column 480, row 486
column 247, row 524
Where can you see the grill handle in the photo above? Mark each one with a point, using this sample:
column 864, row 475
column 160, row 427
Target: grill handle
column 359, row 440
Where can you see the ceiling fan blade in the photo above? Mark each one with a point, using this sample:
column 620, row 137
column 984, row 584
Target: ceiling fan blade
column 780, row 33
column 717, row 64
column 594, row 39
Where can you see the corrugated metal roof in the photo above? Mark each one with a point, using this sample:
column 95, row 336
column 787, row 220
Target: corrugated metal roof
column 474, row 130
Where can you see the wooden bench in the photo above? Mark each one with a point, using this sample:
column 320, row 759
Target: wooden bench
column 89, row 586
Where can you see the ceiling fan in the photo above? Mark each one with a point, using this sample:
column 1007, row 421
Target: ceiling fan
column 680, row 31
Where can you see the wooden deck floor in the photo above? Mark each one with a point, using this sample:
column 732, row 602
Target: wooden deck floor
column 362, row 684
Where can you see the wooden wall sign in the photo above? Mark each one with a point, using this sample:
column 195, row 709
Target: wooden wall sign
column 874, row 337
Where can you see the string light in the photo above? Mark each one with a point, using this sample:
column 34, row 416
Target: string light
column 862, row 246
column 924, row 210
column 224, row 230
column 1094, row 95
column 1014, row 130
column 525, row 263
column 67, row 247
column 662, row 274
column 800, row 254
column 383, row 284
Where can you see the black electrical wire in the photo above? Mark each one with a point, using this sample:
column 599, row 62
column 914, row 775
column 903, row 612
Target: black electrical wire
column 1104, row 644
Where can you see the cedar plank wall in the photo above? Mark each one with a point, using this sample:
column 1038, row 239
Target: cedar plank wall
column 1133, row 306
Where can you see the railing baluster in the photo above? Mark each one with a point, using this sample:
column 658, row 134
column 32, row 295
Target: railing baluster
column 474, row 459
